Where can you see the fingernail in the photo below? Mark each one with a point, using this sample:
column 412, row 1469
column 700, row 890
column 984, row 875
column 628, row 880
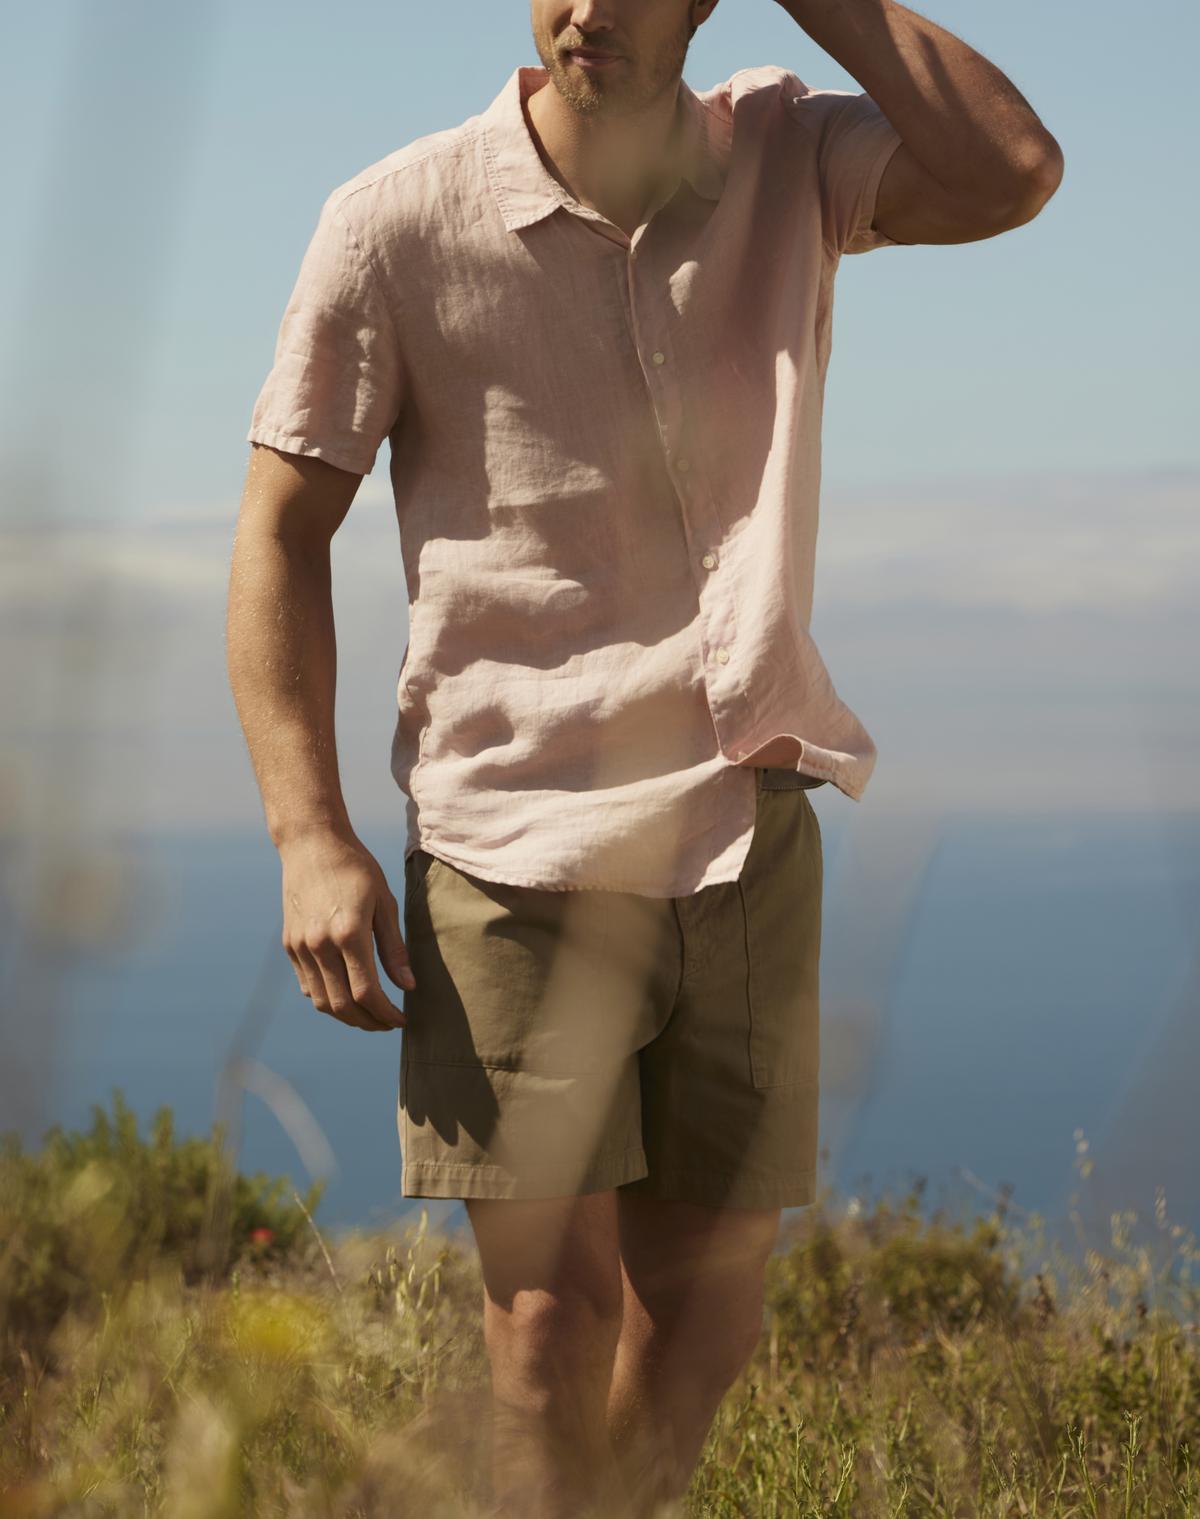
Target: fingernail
column 408, row 979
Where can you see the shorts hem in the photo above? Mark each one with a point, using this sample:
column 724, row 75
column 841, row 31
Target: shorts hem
column 462, row 1179
column 714, row 1189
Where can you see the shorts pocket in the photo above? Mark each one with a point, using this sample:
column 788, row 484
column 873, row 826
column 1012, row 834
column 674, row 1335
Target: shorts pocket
column 418, row 867
column 781, row 901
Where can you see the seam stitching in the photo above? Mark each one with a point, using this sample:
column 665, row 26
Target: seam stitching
column 749, row 998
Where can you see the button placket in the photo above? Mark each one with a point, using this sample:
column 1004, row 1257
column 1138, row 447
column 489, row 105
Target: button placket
column 721, row 654
column 657, row 358
column 725, row 702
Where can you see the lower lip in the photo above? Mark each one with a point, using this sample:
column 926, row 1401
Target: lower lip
column 591, row 63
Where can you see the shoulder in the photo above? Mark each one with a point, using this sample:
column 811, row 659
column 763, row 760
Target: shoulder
column 762, row 92
column 805, row 116
column 408, row 187
column 769, row 103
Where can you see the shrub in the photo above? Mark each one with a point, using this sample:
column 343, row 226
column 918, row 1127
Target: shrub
column 92, row 1212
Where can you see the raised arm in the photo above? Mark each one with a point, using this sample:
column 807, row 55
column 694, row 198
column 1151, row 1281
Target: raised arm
column 282, row 662
column 974, row 158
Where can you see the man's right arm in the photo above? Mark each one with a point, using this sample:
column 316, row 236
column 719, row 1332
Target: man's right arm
column 282, row 663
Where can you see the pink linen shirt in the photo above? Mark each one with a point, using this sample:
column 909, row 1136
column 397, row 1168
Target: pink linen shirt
column 605, row 459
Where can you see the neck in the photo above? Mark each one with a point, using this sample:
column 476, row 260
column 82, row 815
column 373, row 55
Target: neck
column 606, row 159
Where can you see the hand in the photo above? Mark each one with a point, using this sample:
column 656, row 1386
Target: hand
column 336, row 907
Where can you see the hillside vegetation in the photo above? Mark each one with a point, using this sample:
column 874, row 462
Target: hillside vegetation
column 179, row 1340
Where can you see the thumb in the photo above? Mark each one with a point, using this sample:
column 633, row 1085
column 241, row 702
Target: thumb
column 392, row 951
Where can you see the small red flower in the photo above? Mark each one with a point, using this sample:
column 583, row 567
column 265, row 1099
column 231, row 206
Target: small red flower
column 262, row 1236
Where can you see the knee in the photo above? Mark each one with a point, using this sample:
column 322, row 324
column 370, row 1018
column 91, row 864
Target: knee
column 542, row 1341
column 712, row 1343
column 743, row 1341
column 730, row 1348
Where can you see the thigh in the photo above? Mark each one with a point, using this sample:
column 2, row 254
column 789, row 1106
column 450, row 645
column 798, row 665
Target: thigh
column 730, row 1088
column 671, row 1251
column 553, row 1250
column 519, row 1074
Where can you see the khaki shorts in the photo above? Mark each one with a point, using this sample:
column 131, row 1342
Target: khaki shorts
column 564, row 1042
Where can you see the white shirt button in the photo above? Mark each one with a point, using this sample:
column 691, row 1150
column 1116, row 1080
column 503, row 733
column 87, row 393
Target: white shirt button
column 723, row 656
column 709, row 561
column 683, row 465
column 659, row 358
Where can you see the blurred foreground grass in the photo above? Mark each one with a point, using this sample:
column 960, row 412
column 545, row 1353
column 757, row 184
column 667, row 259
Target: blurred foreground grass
column 179, row 1340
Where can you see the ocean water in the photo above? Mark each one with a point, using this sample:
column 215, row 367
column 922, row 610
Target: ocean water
column 997, row 993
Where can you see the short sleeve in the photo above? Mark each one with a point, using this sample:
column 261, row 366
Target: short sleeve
column 856, row 141
column 336, row 387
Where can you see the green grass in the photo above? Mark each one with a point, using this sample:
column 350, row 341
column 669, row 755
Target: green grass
column 177, row 1340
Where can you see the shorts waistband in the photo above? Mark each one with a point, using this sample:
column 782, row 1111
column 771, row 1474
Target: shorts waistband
column 774, row 778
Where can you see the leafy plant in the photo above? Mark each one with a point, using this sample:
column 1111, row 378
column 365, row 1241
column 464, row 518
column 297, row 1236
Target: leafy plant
column 90, row 1212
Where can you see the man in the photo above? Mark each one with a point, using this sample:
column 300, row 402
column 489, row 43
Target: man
column 594, row 322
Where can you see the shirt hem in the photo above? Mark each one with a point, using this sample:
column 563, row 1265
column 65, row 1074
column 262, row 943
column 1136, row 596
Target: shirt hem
column 483, row 873
column 835, row 774
column 290, row 443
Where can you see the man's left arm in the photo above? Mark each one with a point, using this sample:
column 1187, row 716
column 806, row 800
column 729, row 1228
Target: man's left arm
column 974, row 159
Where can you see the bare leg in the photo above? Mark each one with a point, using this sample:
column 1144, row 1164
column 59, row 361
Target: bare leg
column 552, row 1316
column 692, row 1316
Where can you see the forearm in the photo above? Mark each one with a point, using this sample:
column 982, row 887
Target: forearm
column 963, row 120
column 282, row 661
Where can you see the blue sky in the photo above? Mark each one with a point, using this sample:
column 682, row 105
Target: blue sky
column 1007, row 568
column 174, row 160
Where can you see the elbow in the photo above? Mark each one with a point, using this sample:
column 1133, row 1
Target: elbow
column 1046, row 173
column 1040, row 175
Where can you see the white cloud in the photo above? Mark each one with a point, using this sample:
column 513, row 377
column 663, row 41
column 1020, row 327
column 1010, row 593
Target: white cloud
column 1027, row 543
column 1017, row 643
column 179, row 552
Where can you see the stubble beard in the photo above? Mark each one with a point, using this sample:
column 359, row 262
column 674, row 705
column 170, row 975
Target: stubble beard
column 635, row 89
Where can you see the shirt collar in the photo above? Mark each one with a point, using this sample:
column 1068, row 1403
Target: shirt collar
column 526, row 190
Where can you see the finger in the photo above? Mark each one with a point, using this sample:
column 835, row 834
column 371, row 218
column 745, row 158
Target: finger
column 365, row 987
column 298, row 967
column 314, row 981
column 393, row 953
column 342, row 1002
column 321, row 999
